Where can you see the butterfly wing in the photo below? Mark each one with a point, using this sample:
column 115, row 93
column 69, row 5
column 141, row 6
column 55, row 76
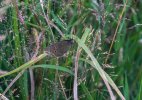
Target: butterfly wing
column 60, row 48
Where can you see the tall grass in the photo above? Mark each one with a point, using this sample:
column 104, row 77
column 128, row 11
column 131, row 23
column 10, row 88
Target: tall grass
column 104, row 70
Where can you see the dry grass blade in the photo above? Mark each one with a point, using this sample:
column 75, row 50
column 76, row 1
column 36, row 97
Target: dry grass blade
column 75, row 89
column 97, row 66
column 119, row 20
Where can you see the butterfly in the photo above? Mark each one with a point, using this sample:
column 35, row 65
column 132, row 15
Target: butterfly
column 60, row 48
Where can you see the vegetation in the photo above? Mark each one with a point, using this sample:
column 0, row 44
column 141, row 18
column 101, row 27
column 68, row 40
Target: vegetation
column 104, row 62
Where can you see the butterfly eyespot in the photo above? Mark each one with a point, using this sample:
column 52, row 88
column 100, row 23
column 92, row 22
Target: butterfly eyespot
column 55, row 51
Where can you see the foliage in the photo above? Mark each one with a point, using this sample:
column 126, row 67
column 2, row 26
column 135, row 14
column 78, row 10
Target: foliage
column 27, row 27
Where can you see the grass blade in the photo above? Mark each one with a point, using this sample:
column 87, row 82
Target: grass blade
column 97, row 66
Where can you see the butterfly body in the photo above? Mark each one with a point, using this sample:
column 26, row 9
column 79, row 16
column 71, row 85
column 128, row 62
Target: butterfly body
column 60, row 48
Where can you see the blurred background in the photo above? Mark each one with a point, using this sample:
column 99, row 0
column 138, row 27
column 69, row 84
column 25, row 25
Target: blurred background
column 114, row 29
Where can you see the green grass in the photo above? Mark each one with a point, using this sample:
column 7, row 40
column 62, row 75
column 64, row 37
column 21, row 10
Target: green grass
column 92, row 26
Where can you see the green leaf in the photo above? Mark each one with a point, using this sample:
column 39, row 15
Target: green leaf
column 89, row 97
column 54, row 67
column 25, row 66
column 97, row 66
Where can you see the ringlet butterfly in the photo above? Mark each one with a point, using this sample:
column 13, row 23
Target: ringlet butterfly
column 60, row 48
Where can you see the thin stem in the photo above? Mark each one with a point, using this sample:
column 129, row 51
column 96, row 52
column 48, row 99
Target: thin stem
column 119, row 20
